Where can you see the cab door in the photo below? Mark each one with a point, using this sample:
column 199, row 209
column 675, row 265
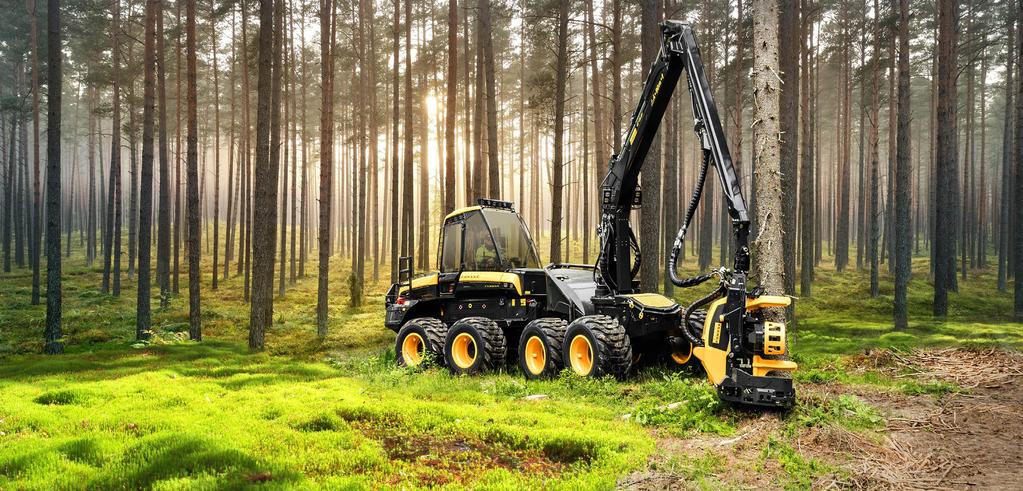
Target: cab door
column 451, row 249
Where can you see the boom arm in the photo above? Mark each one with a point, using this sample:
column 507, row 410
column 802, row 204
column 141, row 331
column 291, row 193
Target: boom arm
column 620, row 191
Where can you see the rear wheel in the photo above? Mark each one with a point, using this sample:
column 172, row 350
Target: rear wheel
column 420, row 341
column 540, row 347
column 475, row 345
column 597, row 345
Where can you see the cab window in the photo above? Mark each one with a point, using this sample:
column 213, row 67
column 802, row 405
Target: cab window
column 451, row 250
column 480, row 252
column 513, row 243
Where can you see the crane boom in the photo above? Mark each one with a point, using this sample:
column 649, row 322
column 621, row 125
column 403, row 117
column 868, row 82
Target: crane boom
column 620, row 256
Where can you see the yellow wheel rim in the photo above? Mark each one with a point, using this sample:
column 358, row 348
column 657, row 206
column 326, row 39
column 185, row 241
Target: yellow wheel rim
column 682, row 357
column 580, row 353
column 463, row 350
column 412, row 349
column 535, row 355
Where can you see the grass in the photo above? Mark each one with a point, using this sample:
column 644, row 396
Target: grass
column 337, row 413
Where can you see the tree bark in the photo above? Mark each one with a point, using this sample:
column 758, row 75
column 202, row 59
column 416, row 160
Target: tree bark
column 946, row 197
column 52, row 335
column 142, row 318
column 1018, row 286
column 1005, row 207
column 163, row 237
column 767, row 246
column 557, row 171
column 452, row 108
column 37, row 209
column 903, row 230
column 326, row 159
column 807, row 168
column 788, row 35
column 395, row 126
column 874, row 211
column 192, row 182
column 650, row 178
column 267, row 144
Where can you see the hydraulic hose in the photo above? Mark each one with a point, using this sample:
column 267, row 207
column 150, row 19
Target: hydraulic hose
column 680, row 238
column 692, row 308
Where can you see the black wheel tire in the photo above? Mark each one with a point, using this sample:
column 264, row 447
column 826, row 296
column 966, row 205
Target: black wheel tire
column 609, row 348
column 485, row 347
column 546, row 334
column 429, row 334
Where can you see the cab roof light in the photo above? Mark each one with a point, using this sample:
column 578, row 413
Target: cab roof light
column 495, row 203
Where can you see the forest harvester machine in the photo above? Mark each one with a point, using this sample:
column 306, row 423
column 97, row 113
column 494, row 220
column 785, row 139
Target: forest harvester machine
column 491, row 302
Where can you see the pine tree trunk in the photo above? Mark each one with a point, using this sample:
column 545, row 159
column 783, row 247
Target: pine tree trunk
column 557, row 171
column 650, row 178
column 216, row 155
column 163, row 237
column 767, row 245
column 946, row 199
column 267, row 162
column 37, row 209
column 1018, row 239
column 52, row 334
column 396, row 233
column 192, row 181
column 142, row 318
column 408, row 238
column 326, row 159
column 807, row 204
column 452, row 108
column 903, row 239
column 788, row 35
column 874, row 211
column 1005, row 206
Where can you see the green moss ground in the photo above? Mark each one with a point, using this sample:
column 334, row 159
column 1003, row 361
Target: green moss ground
column 337, row 413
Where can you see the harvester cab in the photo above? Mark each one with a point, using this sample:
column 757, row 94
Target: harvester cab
column 490, row 301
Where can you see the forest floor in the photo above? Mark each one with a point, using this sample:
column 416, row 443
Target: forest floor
column 935, row 406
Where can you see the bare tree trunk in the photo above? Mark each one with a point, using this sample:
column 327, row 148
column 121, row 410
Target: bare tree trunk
column 1018, row 287
column 903, row 253
column 616, row 72
column 946, row 197
column 326, row 159
column 1005, row 208
column 561, row 76
column 874, row 210
column 231, row 195
column 650, row 178
column 192, row 182
column 216, row 151
column 163, row 236
column 37, row 209
column 52, row 335
column 408, row 237
column 788, row 35
column 267, row 162
column 452, row 108
column 142, row 317
column 767, row 245
column 395, row 126
column 807, row 204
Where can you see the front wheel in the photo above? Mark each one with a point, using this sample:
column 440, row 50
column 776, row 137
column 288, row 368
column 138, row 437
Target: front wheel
column 597, row 345
column 420, row 341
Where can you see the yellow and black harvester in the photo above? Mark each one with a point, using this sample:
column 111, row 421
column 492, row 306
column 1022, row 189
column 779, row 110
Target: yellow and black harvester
column 491, row 302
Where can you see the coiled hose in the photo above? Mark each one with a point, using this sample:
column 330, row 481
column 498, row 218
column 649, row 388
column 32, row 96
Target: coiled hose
column 680, row 238
column 693, row 308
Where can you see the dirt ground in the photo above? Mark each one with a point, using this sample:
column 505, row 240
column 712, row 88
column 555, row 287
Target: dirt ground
column 967, row 438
